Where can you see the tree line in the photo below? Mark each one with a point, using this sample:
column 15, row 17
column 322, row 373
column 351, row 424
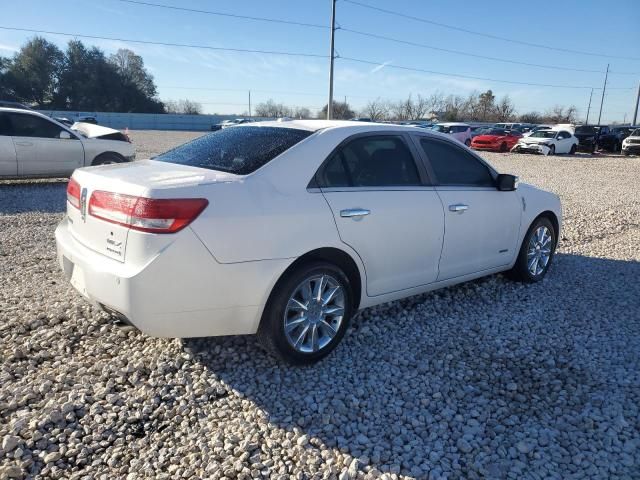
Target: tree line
column 41, row 75
column 479, row 107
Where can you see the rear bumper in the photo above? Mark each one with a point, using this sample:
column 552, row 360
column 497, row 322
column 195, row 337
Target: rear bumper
column 181, row 292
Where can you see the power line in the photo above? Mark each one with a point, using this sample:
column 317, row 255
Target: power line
column 458, row 52
column 421, row 70
column 487, row 35
column 223, row 14
column 275, row 92
column 168, row 44
column 295, row 54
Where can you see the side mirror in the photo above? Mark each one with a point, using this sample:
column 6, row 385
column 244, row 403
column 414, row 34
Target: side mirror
column 506, row 182
column 64, row 135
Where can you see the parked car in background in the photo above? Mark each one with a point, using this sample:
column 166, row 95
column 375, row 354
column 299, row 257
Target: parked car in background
column 587, row 136
column 537, row 128
column 496, row 140
column 548, row 142
column 177, row 247
column 631, row 144
column 34, row 145
column 230, row 123
column 89, row 130
column 610, row 138
column 459, row 131
column 64, row 121
column 478, row 130
column 508, row 126
column 88, row 119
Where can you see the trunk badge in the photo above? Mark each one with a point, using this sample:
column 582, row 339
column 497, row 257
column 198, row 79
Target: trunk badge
column 83, row 204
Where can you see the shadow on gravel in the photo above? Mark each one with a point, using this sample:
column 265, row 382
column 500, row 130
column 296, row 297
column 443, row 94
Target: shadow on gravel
column 47, row 196
column 487, row 376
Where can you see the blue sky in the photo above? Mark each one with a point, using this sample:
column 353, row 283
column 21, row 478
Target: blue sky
column 220, row 80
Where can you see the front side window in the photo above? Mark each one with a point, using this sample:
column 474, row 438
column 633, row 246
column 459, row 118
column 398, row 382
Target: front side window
column 454, row 166
column 239, row 150
column 380, row 161
column 25, row 125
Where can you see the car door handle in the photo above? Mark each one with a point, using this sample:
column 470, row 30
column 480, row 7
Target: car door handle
column 24, row 144
column 458, row 207
column 354, row 212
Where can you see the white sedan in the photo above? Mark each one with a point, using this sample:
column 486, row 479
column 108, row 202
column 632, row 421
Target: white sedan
column 34, row 145
column 548, row 142
column 287, row 229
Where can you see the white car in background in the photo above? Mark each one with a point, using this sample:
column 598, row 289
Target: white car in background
column 548, row 142
column 34, row 145
column 287, row 229
column 459, row 131
column 631, row 144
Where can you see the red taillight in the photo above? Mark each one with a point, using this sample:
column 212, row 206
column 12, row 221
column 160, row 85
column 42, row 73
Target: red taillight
column 156, row 215
column 73, row 193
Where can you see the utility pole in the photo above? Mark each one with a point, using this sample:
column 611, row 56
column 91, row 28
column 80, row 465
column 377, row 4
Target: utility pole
column 635, row 109
column 249, row 103
column 604, row 89
column 589, row 108
column 331, row 58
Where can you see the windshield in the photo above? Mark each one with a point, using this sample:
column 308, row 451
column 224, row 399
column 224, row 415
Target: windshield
column 239, row 150
column 494, row 131
column 543, row 134
column 585, row 129
column 635, row 133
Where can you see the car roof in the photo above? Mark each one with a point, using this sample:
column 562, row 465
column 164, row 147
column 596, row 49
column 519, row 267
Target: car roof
column 452, row 124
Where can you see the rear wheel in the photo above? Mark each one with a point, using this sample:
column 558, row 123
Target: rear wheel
column 307, row 314
column 467, row 142
column 107, row 158
column 573, row 149
column 503, row 147
column 536, row 252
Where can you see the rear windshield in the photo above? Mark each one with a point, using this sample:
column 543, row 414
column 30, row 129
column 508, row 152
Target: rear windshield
column 239, row 150
column 586, row 129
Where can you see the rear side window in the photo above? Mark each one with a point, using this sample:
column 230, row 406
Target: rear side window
column 380, row 161
column 25, row 125
column 239, row 150
column 454, row 166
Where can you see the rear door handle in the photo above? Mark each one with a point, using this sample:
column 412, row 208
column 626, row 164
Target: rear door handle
column 458, row 207
column 24, row 144
column 354, row 212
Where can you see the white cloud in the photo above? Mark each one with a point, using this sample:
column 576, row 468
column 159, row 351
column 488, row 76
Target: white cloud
column 8, row 48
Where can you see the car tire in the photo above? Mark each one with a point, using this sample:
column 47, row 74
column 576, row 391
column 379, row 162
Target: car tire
column 503, row 147
column 552, row 150
column 107, row 158
column 573, row 149
column 616, row 147
column 467, row 142
column 536, row 252
column 284, row 333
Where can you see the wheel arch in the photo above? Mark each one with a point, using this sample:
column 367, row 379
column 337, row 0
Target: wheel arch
column 332, row 255
column 553, row 218
column 103, row 154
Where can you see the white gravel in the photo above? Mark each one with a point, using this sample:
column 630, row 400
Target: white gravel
column 491, row 379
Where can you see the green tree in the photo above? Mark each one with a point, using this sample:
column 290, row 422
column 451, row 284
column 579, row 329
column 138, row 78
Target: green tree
column 486, row 104
column 341, row 111
column 32, row 76
column 131, row 69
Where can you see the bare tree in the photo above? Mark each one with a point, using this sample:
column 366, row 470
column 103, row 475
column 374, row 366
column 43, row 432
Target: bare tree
column 301, row 112
column 531, row 117
column 376, row 110
column 560, row 114
column 272, row 109
column 504, row 109
column 185, row 107
column 341, row 111
column 454, row 108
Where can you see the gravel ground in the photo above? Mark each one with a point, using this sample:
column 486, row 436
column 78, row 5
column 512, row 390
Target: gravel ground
column 491, row 379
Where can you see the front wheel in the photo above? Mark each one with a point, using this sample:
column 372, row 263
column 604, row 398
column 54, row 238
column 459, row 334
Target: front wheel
column 307, row 314
column 107, row 158
column 552, row 150
column 503, row 147
column 467, row 142
column 573, row 150
column 536, row 252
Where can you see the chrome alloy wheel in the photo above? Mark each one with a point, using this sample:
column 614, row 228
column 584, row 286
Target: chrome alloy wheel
column 539, row 251
column 314, row 313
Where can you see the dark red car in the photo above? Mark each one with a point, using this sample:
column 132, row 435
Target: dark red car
column 496, row 140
